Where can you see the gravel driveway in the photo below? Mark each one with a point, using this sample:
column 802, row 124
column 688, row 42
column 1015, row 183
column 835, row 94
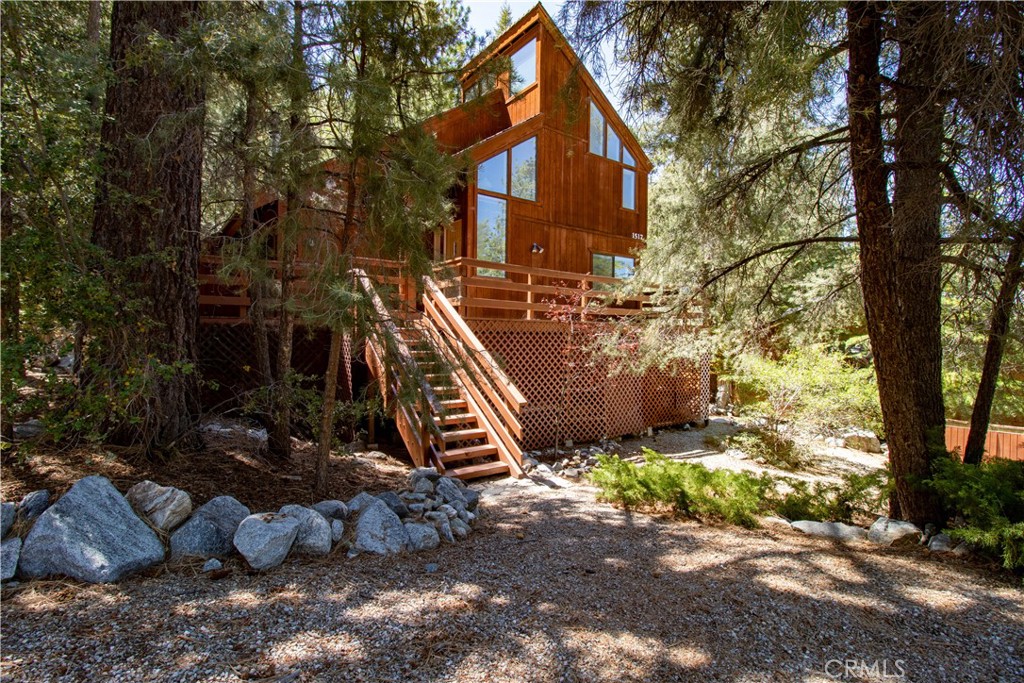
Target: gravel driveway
column 552, row 587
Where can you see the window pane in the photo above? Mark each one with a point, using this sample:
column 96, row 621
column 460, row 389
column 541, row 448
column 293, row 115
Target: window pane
column 628, row 189
column 524, row 170
column 596, row 130
column 624, row 267
column 603, row 265
column 613, row 144
column 492, row 174
column 627, row 158
column 524, row 67
column 490, row 233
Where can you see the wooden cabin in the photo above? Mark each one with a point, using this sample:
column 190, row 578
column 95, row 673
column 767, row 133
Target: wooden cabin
column 552, row 214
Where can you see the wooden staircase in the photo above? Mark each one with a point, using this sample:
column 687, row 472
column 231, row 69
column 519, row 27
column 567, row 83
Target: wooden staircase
column 454, row 408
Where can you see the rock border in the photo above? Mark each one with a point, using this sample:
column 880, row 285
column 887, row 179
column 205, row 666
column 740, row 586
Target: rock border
column 85, row 534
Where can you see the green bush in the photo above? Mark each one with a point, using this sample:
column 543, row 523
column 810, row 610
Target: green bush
column 693, row 490
column 823, row 502
column 773, row 448
column 688, row 488
column 811, row 387
column 990, row 500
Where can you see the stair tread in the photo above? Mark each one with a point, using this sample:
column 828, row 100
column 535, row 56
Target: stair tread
column 467, row 453
column 455, row 418
column 487, row 469
column 465, row 434
column 454, row 404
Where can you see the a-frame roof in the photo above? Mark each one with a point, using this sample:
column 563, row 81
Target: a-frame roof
column 539, row 15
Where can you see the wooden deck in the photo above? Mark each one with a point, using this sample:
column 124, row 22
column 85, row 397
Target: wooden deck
column 473, row 368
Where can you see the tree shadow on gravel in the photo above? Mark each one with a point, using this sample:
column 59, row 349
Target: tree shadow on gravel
column 549, row 588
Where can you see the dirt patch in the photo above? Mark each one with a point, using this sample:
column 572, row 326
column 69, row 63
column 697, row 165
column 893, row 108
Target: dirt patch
column 230, row 464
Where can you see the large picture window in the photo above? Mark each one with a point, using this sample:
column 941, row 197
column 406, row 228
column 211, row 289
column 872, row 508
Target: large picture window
column 524, row 170
column 491, row 232
column 511, row 173
column 524, row 67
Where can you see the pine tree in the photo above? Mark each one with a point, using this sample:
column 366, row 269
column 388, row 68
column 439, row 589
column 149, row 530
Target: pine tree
column 147, row 219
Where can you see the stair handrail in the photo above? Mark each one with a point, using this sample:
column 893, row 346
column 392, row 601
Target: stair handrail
column 384, row 330
column 513, row 397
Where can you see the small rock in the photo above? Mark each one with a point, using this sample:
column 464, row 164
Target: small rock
column 449, row 511
column 265, row 539
column 460, row 528
column 332, row 509
column 212, row 565
column 571, row 473
column 8, row 511
column 941, row 543
column 836, row 530
column 337, row 530
column 962, row 549
column 34, row 504
column 893, row 532
column 529, row 464
column 430, row 568
column 395, row 503
column 29, row 429
column 422, row 536
column 409, row 497
column 314, row 535
column 775, row 521
column 90, row 534
column 416, row 508
column 360, row 502
column 9, row 552
column 210, row 531
column 472, row 497
column 164, row 506
column 861, row 440
column 444, row 527
column 379, row 530
column 424, row 486
column 449, row 490
column 557, row 467
column 543, row 469
column 429, row 473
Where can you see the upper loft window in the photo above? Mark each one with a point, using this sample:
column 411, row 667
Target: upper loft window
column 604, row 141
column 629, row 189
column 481, row 86
column 512, row 172
column 524, row 67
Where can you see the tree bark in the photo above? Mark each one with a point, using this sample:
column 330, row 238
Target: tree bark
column 288, row 226
column 323, row 453
column 999, row 326
column 251, row 232
column 899, row 252
column 147, row 220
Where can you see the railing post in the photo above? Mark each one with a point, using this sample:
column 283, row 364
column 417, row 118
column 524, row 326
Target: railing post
column 529, row 296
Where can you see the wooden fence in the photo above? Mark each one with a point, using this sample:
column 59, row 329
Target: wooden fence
column 1001, row 442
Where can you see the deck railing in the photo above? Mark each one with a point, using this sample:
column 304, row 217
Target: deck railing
column 534, row 293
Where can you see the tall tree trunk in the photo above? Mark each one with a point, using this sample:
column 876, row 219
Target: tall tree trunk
column 289, row 226
column 899, row 245
column 998, row 328
column 252, row 233
column 147, row 220
column 10, row 321
column 323, row 453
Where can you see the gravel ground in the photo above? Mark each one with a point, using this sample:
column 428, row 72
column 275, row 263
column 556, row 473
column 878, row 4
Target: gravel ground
column 552, row 587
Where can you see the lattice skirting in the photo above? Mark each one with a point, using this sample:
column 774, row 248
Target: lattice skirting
column 227, row 361
column 570, row 395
